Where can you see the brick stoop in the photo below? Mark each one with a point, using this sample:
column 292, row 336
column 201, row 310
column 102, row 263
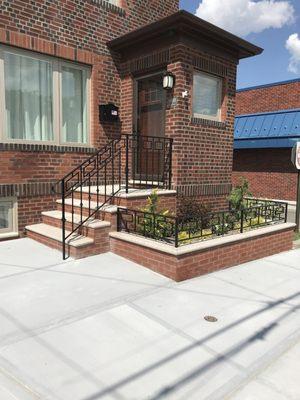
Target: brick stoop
column 77, row 245
column 93, row 237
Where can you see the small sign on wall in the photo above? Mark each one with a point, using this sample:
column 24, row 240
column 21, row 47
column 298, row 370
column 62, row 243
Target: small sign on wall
column 296, row 155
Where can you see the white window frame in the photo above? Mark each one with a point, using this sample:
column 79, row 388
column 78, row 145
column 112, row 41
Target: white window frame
column 114, row 2
column 220, row 94
column 57, row 103
column 13, row 217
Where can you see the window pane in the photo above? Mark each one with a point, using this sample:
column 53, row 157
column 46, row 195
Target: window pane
column 28, row 98
column 5, row 215
column 74, row 105
column 206, row 95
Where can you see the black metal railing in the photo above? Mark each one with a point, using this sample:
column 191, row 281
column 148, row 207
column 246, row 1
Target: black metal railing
column 123, row 163
column 176, row 231
column 149, row 160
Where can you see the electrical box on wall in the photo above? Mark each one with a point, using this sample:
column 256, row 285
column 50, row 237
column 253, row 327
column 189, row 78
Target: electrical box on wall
column 108, row 113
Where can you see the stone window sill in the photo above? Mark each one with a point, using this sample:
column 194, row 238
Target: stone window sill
column 9, row 235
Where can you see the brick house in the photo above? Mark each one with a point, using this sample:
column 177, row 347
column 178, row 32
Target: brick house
column 267, row 127
column 101, row 102
column 60, row 60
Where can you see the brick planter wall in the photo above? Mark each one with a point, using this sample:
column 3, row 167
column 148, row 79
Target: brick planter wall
column 214, row 255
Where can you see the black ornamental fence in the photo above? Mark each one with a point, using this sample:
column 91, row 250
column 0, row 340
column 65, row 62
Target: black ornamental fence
column 177, row 231
column 126, row 162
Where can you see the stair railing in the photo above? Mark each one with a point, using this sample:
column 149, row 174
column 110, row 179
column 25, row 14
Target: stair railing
column 103, row 175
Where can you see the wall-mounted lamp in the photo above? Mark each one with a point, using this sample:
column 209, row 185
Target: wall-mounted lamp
column 168, row 81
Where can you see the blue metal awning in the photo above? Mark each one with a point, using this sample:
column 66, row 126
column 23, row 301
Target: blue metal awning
column 267, row 130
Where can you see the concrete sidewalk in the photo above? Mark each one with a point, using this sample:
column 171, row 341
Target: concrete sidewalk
column 279, row 381
column 106, row 328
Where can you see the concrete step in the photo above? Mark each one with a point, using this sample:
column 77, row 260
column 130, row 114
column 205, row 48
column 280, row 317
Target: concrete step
column 91, row 228
column 85, row 204
column 135, row 198
column 77, row 246
column 55, row 233
column 92, row 223
column 132, row 192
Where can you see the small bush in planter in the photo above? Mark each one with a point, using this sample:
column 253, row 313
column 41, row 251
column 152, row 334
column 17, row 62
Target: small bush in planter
column 153, row 226
column 237, row 195
column 190, row 209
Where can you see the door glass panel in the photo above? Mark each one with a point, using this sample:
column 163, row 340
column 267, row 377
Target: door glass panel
column 150, row 127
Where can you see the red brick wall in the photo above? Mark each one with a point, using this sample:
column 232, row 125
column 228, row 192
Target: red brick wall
column 203, row 150
column 198, row 263
column 42, row 166
column 30, row 208
column 76, row 30
column 271, row 98
column 269, row 172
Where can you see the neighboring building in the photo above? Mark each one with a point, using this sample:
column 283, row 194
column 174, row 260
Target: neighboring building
column 60, row 61
column 267, row 127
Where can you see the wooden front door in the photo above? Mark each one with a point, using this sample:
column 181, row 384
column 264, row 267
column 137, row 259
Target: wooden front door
column 150, row 120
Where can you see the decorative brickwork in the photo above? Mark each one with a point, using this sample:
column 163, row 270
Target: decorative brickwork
column 150, row 61
column 27, row 189
column 32, row 148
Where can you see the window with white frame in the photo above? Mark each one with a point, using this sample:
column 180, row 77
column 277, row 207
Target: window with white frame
column 8, row 215
column 114, row 2
column 44, row 99
column 207, row 96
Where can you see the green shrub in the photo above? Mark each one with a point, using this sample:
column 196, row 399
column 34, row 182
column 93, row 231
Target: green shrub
column 154, row 225
column 189, row 209
column 238, row 193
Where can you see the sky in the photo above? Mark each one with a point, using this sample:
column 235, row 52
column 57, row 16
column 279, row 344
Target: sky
column 273, row 25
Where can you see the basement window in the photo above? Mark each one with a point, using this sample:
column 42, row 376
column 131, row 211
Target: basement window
column 44, row 99
column 8, row 216
column 207, row 95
